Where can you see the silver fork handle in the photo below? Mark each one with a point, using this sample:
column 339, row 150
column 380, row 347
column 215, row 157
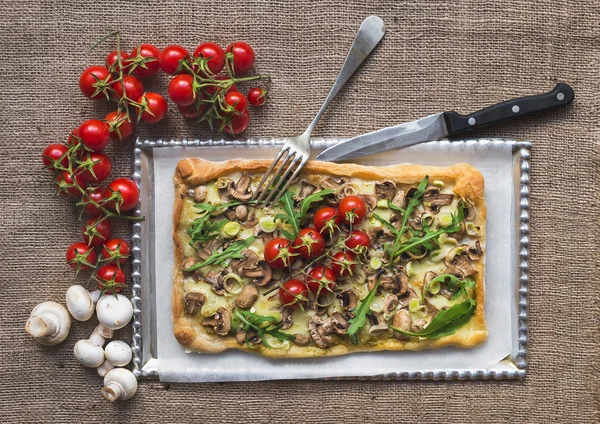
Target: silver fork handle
column 369, row 35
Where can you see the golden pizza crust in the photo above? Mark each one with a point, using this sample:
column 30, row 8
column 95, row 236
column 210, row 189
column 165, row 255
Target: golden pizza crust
column 468, row 183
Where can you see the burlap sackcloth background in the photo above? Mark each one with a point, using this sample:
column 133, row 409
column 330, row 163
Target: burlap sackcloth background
column 435, row 56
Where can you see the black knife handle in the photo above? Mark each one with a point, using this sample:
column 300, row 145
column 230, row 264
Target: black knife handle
column 561, row 95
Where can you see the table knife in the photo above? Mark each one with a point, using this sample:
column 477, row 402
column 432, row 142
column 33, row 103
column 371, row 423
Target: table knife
column 444, row 124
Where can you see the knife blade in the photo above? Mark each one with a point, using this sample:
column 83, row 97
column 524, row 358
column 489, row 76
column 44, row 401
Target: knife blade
column 444, row 124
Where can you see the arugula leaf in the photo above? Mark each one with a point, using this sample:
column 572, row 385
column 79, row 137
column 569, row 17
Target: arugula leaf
column 232, row 252
column 360, row 315
column 446, row 322
column 203, row 230
column 393, row 229
column 290, row 217
column 211, row 208
column 455, row 284
column 261, row 324
column 315, row 197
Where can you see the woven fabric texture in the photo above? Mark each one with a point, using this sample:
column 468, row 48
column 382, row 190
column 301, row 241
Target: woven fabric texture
column 435, row 56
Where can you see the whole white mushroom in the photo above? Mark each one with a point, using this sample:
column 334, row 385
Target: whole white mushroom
column 80, row 303
column 117, row 354
column 49, row 323
column 119, row 383
column 114, row 313
column 88, row 354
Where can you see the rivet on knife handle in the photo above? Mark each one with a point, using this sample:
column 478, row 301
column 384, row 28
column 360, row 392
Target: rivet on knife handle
column 561, row 95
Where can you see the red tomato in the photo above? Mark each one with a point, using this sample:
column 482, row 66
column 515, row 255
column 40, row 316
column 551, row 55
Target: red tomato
column 326, row 220
column 115, row 250
column 80, row 256
column 94, row 134
column 238, row 123
column 170, row 58
column 113, row 64
column 129, row 193
column 143, row 60
column 72, row 139
column 293, row 294
column 321, row 280
column 343, row 264
column 181, row 90
column 98, row 195
column 96, row 231
column 279, row 253
column 54, row 152
column 309, row 243
column 357, row 238
column 192, row 111
column 155, row 107
column 212, row 90
column 352, row 210
column 95, row 167
column 110, row 279
column 243, row 57
column 236, row 100
column 134, row 88
column 68, row 183
column 214, row 58
column 94, row 82
column 119, row 125
column 256, row 96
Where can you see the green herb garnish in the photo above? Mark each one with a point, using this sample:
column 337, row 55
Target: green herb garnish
column 315, row 197
column 289, row 216
column 232, row 252
column 263, row 325
column 455, row 284
column 360, row 315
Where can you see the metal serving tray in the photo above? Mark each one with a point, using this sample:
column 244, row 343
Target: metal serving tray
column 147, row 363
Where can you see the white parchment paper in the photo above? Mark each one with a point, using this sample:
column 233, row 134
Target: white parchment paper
column 493, row 160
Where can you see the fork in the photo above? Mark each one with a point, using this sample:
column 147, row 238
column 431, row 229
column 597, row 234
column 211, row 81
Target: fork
column 369, row 35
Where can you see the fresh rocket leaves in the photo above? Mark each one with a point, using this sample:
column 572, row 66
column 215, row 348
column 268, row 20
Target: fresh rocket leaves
column 289, row 216
column 455, row 285
column 232, row 252
column 315, row 197
column 446, row 322
column 246, row 321
column 360, row 315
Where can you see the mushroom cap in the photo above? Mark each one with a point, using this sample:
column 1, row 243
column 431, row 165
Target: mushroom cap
column 88, row 354
column 114, row 312
column 119, row 383
column 49, row 323
column 118, row 352
column 80, row 303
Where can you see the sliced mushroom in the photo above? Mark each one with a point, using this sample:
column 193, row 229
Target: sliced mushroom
column 247, row 297
column 457, row 259
column 301, row 339
column 220, row 322
column 377, row 323
column 306, row 189
column 370, row 200
column 462, row 262
column 319, row 309
column 250, row 337
column 241, row 212
column 475, row 252
column 320, row 339
column 345, row 190
column 188, row 263
column 209, row 248
column 230, row 214
column 404, row 300
column 348, row 299
column 385, row 189
column 431, row 308
column 390, row 303
column 399, row 199
column 216, row 281
column 200, row 193
column 397, row 284
column 193, row 302
column 251, row 221
column 433, row 200
column 262, row 274
column 250, row 261
column 330, row 183
column 458, row 235
column 319, row 329
column 336, row 323
column 418, row 325
column 469, row 209
column 221, row 185
column 241, row 189
column 403, row 321
column 287, row 320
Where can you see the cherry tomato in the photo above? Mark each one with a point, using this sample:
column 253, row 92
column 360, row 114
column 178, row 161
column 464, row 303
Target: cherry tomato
column 321, row 280
column 212, row 90
column 326, row 220
column 343, row 264
column 96, row 231
column 236, row 100
column 238, row 123
column 96, row 167
column 129, row 193
column 110, row 279
column 94, row 81
column 115, row 250
column 143, row 60
column 98, row 195
column 154, row 103
column 170, row 58
column 68, row 183
column 113, row 64
column 94, row 134
column 134, row 88
column 352, row 210
column 256, row 96
column 54, row 152
column 80, row 256
column 243, row 57
column 279, row 253
column 119, row 125
column 357, row 238
column 293, row 294
column 309, row 243
column 181, row 90
column 192, row 111
column 214, row 55
column 73, row 137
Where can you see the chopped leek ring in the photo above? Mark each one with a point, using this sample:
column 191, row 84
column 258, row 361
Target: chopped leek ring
column 275, row 343
column 438, row 183
column 434, row 288
column 375, row 263
column 235, row 288
column 231, row 229
column 414, row 305
column 267, row 224
column 472, row 229
column 383, row 204
column 409, row 269
column 445, row 220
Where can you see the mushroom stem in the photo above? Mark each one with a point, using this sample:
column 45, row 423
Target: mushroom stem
column 41, row 326
column 112, row 392
column 100, row 334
